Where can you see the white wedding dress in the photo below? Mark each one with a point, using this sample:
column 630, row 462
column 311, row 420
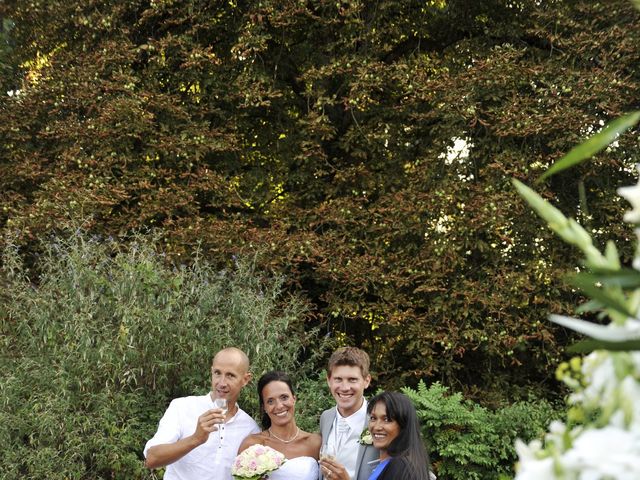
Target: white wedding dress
column 299, row 468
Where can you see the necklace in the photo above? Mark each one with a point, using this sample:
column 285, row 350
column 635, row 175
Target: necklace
column 283, row 440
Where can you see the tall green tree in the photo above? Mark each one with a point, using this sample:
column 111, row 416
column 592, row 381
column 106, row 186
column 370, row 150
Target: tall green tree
column 365, row 147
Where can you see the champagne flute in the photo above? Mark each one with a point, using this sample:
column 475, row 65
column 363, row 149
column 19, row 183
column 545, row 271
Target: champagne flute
column 327, row 451
column 221, row 404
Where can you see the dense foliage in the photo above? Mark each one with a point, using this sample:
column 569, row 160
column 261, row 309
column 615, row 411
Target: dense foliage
column 468, row 441
column 325, row 134
column 600, row 435
column 92, row 354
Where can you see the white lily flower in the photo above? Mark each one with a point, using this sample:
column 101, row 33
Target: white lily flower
column 608, row 452
column 531, row 467
column 557, row 428
column 632, row 195
column 611, row 333
column 600, row 373
column 535, row 469
column 602, row 439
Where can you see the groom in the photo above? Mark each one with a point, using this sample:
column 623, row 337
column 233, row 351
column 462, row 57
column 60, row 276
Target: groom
column 341, row 427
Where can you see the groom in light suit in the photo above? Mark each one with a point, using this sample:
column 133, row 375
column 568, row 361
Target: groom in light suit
column 343, row 426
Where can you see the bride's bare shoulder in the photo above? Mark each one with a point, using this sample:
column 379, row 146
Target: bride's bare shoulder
column 253, row 439
column 313, row 440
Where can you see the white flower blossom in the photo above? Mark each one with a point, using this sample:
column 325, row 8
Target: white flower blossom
column 531, row 466
column 607, row 452
column 632, row 195
column 601, row 440
column 536, row 470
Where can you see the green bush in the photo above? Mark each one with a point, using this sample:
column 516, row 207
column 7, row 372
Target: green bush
column 470, row 442
column 313, row 397
column 103, row 336
column 97, row 338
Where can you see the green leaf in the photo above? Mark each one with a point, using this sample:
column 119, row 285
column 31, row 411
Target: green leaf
column 624, row 278
column 588, row 346
column 548, row 212
column 590, row 306
column 611, row 254
column 585, row 283
column 593, row 145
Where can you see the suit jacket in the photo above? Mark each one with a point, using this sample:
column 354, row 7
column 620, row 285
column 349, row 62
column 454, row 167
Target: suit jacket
column 366, row 453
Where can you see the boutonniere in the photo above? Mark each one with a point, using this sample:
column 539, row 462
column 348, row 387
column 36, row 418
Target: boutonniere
column 365, row 437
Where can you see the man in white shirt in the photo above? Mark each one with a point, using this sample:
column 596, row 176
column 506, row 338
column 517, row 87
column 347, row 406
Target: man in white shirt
column 342, row 427
column 184, row 441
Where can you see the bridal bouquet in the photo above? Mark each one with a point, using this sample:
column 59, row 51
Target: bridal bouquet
column 256, row 462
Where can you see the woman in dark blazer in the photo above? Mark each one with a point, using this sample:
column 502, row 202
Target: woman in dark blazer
column 394, row 427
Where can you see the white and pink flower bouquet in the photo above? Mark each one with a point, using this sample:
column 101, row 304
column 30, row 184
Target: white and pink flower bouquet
column 256, row 462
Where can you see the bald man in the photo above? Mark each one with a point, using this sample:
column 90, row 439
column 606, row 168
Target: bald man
column 184, row 442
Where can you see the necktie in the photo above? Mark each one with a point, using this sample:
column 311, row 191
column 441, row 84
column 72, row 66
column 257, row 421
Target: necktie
column 343, row 431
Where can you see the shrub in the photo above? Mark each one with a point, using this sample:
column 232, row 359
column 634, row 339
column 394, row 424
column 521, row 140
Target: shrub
column 470, row 442
column 98, row 343
column 313, row 398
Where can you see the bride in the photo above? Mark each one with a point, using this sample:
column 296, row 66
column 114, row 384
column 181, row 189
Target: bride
column 277, row 402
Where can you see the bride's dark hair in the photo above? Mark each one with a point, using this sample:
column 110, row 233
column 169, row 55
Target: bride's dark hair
column 273, row 376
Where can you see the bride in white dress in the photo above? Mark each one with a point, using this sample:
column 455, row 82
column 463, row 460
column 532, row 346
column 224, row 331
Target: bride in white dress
column 277, row 402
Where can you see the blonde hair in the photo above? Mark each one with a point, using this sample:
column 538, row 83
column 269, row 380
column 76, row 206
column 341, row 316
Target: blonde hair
column 350, row 356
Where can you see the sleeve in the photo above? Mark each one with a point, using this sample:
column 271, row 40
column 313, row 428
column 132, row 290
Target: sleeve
column 169, row 430
column 322, row 422
column 256, row 427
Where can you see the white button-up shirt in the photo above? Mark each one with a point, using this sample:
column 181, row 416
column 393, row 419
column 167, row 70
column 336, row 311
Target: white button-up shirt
column 212, row 460
column 347, row 451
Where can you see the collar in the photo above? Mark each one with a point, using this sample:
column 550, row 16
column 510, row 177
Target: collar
column 357, row 419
